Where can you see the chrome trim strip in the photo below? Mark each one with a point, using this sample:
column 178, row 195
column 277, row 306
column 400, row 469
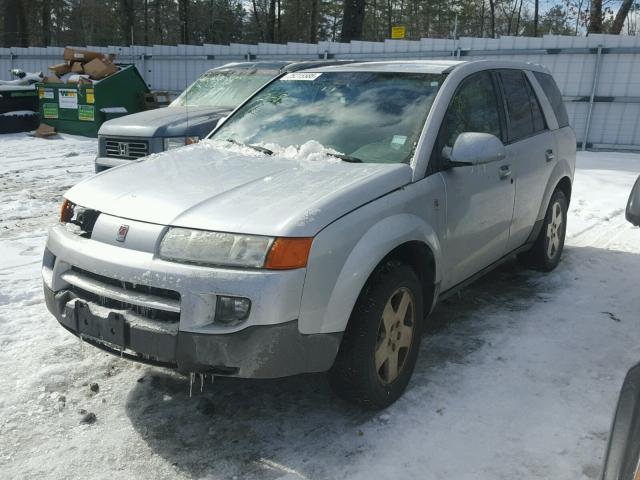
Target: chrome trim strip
column 120, row 294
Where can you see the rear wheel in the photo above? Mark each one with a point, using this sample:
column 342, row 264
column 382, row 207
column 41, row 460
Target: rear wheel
column 380, row 346
column 547, row 249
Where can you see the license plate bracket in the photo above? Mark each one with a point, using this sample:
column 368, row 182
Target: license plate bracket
column 110, row 329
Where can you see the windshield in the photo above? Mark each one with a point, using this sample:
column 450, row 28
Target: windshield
column 223, row 88
column 374, row 117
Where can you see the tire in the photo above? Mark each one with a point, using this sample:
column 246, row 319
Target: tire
column 25, row 122
column 547, row 249
column 378, row 332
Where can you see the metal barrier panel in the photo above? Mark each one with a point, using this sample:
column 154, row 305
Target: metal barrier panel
column 598, row 75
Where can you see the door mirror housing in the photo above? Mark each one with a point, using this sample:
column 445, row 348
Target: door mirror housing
column 633, row 205
column 473, row 148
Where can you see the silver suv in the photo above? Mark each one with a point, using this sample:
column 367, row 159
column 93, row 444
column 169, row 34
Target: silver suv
column 319, row 225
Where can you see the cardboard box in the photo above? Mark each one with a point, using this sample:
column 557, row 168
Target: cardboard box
column 98, row 69
column 73, row 55
column 76, row 78
column 60, row 69
column 52, row 79
column 44, row 131
column 76, row 67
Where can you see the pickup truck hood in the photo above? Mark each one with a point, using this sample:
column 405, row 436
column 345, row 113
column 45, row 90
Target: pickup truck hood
column 165, row 122
column 238, row 190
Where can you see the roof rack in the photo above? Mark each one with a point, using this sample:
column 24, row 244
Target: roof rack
column 295, row 66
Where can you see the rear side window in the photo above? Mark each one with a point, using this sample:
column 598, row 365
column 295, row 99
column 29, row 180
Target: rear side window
column 552, row 92
column 523, row 109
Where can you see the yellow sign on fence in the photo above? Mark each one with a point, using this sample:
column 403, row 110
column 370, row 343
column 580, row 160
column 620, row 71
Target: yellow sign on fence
column 397, row 32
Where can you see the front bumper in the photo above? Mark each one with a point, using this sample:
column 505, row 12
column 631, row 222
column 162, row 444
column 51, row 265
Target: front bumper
column 163, row 312
column 103, row 163
column 267, row 351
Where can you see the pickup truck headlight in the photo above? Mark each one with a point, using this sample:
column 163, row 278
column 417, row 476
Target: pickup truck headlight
column 234, row 250
column 175, row 142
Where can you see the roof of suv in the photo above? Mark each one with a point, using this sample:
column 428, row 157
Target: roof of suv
column 422, row 66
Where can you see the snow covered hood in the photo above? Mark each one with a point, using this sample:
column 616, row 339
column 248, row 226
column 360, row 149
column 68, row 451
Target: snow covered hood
column 212, row 187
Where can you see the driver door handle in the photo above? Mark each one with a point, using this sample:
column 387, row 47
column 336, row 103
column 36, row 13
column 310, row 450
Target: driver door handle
column 505, row 172
column 549, row 155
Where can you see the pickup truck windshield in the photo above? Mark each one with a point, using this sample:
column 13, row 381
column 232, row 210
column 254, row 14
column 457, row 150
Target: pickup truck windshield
column 223, row 88
column 374, row 117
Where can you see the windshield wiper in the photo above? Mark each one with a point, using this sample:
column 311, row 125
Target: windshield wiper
column 255, row 147
column 345, row 158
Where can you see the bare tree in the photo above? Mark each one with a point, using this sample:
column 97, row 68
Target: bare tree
column 621, row 17
column 595, row 17
column 536, row 18
column 313, row 24
column 45, row 15
column 183, row 19
column 352, row 20
column 271, row 22
column 16, row 33
column 127, row 15
column 492, row 8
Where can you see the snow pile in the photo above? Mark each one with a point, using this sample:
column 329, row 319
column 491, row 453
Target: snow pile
column 307, row 154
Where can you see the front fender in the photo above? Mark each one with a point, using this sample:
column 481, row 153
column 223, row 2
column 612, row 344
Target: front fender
column 336, row 275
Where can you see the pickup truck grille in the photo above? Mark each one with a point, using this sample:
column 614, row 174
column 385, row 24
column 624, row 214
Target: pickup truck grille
column 127, row 149
column 149, row 302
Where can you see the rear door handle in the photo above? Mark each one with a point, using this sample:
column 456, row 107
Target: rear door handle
column 549, row 155
column 505, row 171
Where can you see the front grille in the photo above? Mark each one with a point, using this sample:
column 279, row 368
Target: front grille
column 105, row 301
column 127, row 149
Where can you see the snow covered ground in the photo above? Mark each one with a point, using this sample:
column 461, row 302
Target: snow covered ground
column 520, row 379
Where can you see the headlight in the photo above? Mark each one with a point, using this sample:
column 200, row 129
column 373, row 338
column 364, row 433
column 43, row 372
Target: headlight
column 214, row 248
column 176, row 142
column 235, row 250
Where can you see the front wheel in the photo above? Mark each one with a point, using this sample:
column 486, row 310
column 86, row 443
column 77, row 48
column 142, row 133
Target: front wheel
column 380, row 346
column 547, row 249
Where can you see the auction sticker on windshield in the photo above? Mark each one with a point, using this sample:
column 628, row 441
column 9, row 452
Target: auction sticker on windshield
column 309, row 76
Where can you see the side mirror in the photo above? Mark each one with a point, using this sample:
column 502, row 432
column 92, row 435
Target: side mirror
column 633, row 205
column 623, row 449
column 473, row 148
column 221, row 120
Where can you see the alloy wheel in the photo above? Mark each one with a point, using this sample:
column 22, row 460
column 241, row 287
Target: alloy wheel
column 395, row 335
column 554, row 230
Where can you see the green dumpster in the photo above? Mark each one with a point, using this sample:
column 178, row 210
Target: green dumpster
column 81, row 108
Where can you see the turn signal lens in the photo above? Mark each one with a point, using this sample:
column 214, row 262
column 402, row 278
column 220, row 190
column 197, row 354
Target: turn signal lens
column 66, row 211
column 288, row 253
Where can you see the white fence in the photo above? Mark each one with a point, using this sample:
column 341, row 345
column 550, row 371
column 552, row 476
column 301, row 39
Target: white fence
column 599, row 75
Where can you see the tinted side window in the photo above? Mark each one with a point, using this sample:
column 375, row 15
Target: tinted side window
column 536, row 110
column 474, row 108
column 552, row 92
column 516, row 95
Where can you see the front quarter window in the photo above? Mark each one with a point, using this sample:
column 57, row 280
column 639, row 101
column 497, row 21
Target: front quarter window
column 473, row 108
column 374, row 117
